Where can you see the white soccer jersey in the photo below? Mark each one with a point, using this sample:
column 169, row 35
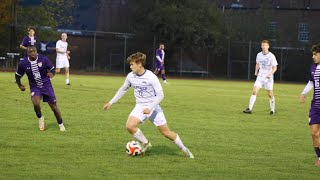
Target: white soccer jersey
column 63, row 46
column 265, row 61
column 147, row 89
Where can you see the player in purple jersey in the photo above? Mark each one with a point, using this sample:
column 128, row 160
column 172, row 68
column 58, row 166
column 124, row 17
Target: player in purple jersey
column 39, row 70
column 29, row 40
column 314, row 113
column 159, row 67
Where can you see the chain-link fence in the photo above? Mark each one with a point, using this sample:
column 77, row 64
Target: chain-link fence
column 96, row 51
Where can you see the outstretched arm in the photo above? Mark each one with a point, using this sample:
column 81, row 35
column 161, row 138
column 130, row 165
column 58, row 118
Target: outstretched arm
column 121, row 92
column 18, row 81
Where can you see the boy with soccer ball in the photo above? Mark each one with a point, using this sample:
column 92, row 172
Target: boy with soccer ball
column 148, row 93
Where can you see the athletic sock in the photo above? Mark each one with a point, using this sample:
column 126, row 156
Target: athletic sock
column 140, row 137
column 39, row 115
column 60, row 121
column 179, row 143
column 163, row 77
column 67, row 81
column 252, row 101
column 272, row 103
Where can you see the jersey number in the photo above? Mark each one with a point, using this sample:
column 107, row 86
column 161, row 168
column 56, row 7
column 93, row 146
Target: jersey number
column 316, row 83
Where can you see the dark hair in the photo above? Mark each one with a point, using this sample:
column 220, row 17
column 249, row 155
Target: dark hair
column 137, row 58
column 29, row 28
column 316, row 48
column 29, row 47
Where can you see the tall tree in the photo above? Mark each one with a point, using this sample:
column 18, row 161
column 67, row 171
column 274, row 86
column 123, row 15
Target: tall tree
column 7, row 11
column 188, row 23
column 61, row 10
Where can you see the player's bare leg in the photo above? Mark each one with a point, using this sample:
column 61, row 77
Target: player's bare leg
column 67, row 75
column 272, row 102
column 132, row 126
column 37, row 109
column 58, row 70
column 166, row 132
column 252, row 100
column 57, row 114
column 315, row 133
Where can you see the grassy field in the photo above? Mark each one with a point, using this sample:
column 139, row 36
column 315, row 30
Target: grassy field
column 207, row 115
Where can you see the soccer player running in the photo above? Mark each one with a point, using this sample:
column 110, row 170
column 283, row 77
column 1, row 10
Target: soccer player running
column 149, row 94
column 39, row 70
column 62, row 60
column 160, row 63
column 266, row 66
column 29, row 40
column 314, row 113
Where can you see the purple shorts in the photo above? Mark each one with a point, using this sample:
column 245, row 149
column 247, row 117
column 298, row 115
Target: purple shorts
column 314, row 118
column 159, row 68
column 47, row 94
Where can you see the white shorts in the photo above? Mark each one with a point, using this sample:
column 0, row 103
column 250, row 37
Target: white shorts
column 62, row 63
column 156, row 116
column 267, row 83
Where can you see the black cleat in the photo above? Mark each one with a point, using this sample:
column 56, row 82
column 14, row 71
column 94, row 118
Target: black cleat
column 272, row 113
column 68, row 84
column 248, row 111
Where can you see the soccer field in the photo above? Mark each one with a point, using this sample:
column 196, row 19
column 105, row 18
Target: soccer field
column 207, row 115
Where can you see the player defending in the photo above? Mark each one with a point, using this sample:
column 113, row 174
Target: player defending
column 29, row 40
column 62, row 60
column 314, row 114
column 160, row 63
column 39, row 70
column 148, row 93
column 266, row 66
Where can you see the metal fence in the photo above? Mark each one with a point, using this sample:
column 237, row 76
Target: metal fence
column 97, row 51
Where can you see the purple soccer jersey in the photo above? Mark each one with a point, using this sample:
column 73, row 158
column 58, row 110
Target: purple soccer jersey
column 314, row 113
column 40, row 83
column 27, row 41
column 159, row 54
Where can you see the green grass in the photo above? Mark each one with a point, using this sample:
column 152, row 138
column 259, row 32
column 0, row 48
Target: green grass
column 207, row 115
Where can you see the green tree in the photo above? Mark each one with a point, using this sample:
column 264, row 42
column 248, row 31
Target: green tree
column 6, row 19
column 189, row 23
column 61, row 10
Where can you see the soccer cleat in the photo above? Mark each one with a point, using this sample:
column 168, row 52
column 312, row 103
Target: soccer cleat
column 68, row 84
column 41, row 124
column 62, row 128
column 145, row 147
column 188, row 154
column 317, row 163
column 272, row 113
column 248, row 111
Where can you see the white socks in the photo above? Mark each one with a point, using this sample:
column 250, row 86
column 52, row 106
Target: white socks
column 67, row 81
column 252, row 101
column 179, row 143
column 272, row 103
column 140, row 137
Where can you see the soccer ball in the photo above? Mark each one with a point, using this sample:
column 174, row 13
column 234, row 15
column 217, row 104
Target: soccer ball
column 133, row 148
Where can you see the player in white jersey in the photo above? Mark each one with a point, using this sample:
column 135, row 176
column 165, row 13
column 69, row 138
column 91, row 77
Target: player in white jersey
column 62, row 60
column 148, row 93
column 266, row 66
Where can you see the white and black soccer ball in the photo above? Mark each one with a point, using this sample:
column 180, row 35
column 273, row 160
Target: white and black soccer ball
column 133, row 148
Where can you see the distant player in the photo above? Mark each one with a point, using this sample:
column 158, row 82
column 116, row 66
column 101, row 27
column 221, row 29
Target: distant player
column 62, row 60
column 39, row 70
column 266, row 66
column 149, row 94
column 160, row 63
column 29, row 40
column 314, row 114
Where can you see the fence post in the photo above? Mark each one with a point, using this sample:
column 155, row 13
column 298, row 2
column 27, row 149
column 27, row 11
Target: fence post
column 180, row 61
column 94, row 52
column 125, row 54
column 229, row 63
column 249, row 60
